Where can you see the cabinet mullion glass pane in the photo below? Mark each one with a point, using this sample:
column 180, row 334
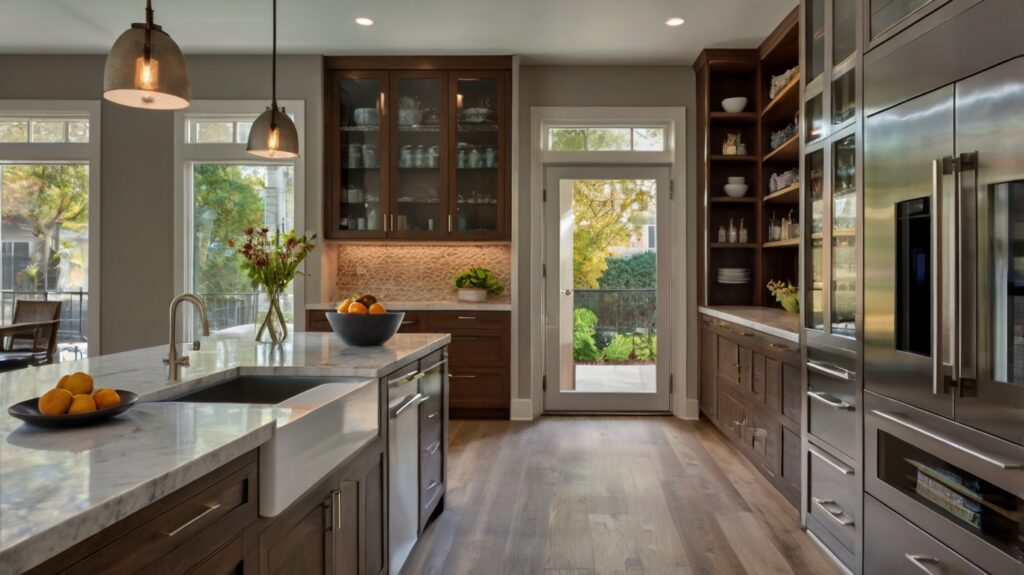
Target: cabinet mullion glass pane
column 815, row 189
column 360, row 207
column 478, row 156
column 419, row 186
column 843, row 297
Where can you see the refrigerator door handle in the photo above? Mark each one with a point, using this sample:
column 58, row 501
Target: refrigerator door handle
column 966, row 314
column 940, row 168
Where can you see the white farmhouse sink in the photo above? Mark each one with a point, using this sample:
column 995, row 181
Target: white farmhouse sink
column 321, row 421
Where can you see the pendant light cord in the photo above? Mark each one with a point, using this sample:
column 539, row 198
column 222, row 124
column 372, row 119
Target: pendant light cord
column 273, row 74
column 147, row 50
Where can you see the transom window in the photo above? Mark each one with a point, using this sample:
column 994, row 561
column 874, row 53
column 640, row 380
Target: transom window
column 606, row 139
column 44, row 130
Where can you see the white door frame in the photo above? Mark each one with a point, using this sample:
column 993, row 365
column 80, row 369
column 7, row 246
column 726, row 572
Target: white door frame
column 560, row 366
column 674, row 118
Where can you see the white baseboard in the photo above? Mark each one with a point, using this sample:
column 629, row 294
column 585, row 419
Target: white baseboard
column 521, row 410
column 690, row 409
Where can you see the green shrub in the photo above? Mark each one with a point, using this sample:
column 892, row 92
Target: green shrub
column 628, row 346
column 583, row 346
column 633, row 271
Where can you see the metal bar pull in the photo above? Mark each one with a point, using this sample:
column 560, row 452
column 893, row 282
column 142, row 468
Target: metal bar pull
column 413, row 401
column 838, row 467
column 207, row 509
column 831, row 370
column 1004, row 465
column 833, row 510
column 940, row 167
column 922, row 561
column 830, row 400
column 967, row 295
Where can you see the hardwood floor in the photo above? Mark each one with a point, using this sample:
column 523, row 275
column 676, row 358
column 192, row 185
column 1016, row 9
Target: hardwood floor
column 596, row 495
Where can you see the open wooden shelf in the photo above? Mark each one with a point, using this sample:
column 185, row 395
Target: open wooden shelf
column 788, row 243
column 733, row 117
column 732, row 246
column 786, row 103
column 789, row 151
column 721, row 158
column 728, row 200
column 788, row 195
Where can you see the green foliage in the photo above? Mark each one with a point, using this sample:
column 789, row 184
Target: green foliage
column 568, row 139
column 481, row 278
column 628, row 346
column 606, row 215
column 583, row 346
column 630, row 272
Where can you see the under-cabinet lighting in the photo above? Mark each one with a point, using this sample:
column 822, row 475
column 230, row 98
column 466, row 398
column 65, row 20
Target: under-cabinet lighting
column 674, row 22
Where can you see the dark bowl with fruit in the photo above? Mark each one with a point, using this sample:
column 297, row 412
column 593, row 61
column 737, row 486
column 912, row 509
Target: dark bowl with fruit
column 364, row 322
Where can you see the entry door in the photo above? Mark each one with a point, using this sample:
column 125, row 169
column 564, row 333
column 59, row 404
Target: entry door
column 606, row 288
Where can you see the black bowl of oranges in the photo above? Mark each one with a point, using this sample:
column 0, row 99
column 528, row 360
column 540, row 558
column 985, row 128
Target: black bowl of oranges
column 364, row 322
column 74, row 403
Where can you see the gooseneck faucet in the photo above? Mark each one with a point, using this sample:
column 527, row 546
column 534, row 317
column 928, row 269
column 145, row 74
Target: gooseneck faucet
column 174, row 361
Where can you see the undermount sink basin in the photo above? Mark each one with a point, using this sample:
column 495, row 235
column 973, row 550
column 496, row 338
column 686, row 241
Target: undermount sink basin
column 321, row 421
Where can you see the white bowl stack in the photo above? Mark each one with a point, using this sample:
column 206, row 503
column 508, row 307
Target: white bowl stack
column 733, row 275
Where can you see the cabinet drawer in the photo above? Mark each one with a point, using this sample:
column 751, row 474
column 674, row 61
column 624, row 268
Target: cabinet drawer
column 832, row 411
column 468, row 321
column 761, row 435
column 483, row 350
column 316, row 320
column 431, row 481
column 477, row 388
column 184, row 534
column 833, row 496
column 893, row 545
column 412, row 323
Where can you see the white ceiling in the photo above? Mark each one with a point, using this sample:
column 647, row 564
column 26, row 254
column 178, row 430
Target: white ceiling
column 547, row 31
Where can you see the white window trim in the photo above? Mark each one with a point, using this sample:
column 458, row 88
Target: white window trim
column 186, row 154
column 40, row 152
column 673, row 118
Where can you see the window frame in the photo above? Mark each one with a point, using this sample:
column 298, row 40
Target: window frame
column 664, row 156
column 66, row 152
column 186, row 154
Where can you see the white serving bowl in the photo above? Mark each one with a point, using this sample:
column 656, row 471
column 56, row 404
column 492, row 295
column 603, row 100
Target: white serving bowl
column 734, row 105
column 735, row 190
column 737, row 180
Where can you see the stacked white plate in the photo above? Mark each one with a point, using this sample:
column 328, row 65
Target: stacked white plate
column 733, row 275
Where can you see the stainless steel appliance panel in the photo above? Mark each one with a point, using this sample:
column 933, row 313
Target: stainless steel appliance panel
column 902, row 146
column 963, row 487
column 833, row 496
column 403, row 459
column 893, row 545
column 832, row 405
column 990, row 144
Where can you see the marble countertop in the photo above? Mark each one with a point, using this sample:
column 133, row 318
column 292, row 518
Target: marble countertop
column 437, row 305
column 772, row 321
column 58, row 487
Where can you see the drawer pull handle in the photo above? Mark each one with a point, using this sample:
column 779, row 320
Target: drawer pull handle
column 723, row 325
column 432, row 449
column 920, row 560
column 412, row 401
column 207, row 509
column 837, row 513
column 454, row 376
column 1004, row 465
column 409, row 322
column 433, row 415
column 433, row 483
column 467, row 317
column 777, row 345
column 840, row 468
column 746, row 333
column 830, row 400
column 404, row 379
column 831, row 370
column 433, row 367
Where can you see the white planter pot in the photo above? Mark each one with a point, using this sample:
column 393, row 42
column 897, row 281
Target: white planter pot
column 473, row 295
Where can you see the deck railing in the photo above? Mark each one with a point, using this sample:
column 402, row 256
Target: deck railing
column 620, row 310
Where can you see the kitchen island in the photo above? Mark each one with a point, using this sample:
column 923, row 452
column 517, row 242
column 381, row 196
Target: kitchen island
column 58, row 488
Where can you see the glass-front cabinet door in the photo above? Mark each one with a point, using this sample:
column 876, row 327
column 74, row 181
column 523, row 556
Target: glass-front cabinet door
column 815, row 206
column 358, row 189
column 478, row 171
column 843, row 261
column 418, row 199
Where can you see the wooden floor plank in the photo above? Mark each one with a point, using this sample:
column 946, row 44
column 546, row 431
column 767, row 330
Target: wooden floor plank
column 608, row 495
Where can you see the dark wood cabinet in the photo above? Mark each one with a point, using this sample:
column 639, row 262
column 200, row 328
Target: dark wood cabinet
column 417, row 149
column 750, row 390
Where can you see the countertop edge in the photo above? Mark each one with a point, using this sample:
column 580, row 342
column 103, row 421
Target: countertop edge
column 752, row 324
column 78, row 527
column 427, row 306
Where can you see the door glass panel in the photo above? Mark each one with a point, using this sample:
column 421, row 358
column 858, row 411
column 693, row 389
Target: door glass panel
column 608, row 278
column 478, row 156
column 361, row 209
column 816, row 223
column 913, row 276
column 814, row 122
column 844, row 29
column 815, row 39
column 981, row 508
column 419, row 184
column 844, row 103
column 844, row 241
column 1007, row 249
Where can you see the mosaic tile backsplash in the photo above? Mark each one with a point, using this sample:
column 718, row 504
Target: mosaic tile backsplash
column 417, row 273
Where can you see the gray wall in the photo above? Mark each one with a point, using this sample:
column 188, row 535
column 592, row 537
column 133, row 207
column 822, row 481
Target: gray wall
column 137, row 183
column 599, row 86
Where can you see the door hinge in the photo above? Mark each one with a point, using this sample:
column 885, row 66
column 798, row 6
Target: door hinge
column 544, row 195
column 544, row 382
column 543, row 270
column 671, row 189
column 671, row 384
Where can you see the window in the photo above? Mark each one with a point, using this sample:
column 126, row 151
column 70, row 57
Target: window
column 224, row 191
column 606, row 139
column 49, row 171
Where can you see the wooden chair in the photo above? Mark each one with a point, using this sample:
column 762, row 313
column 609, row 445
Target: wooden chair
column 34, row 330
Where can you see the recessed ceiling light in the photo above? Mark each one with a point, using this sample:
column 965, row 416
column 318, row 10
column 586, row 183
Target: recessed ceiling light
column 364, row 21
column 674, row 22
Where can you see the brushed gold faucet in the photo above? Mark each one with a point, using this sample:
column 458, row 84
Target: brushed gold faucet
column 174, row 361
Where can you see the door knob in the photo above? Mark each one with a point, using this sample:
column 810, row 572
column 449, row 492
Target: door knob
column 567, row 291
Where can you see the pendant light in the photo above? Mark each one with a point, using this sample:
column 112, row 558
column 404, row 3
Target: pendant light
column 146, row 69
column 273, row 135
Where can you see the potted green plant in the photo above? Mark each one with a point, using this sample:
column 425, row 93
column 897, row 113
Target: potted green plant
column 475, row 284
column 786, row 294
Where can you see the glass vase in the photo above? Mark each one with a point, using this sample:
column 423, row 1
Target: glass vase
column 273, row 329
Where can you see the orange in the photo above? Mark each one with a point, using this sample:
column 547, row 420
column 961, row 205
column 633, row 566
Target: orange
column 345, row 303
column 82, row 404
column 55, row 402
column 106, row 397
column 378, row 309
column 357, row 308
column 77, row 383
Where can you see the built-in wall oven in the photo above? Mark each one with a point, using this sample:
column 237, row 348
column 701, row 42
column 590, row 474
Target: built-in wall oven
column 944, row 316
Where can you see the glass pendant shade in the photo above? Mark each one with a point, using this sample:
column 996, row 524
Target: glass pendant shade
column 273, row 135
column 157, row 82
